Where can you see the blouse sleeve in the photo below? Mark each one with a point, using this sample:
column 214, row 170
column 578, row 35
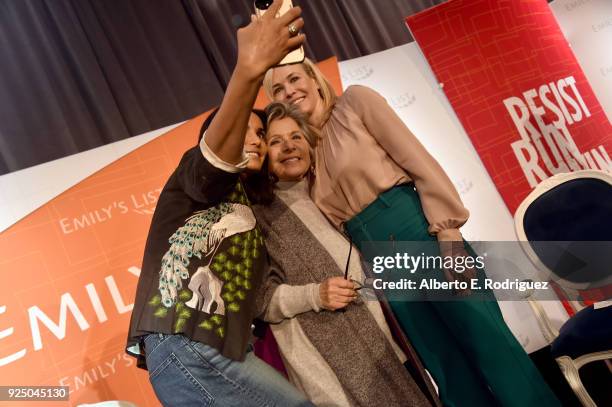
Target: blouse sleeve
column 441, row 203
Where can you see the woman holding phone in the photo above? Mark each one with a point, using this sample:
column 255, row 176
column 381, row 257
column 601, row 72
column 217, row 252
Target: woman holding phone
column 374, row 179
column 188, row 328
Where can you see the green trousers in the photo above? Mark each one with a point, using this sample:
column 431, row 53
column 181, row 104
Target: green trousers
column 466, row 345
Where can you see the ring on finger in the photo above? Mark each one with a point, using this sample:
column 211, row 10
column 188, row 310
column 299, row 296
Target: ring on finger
column 292, row 30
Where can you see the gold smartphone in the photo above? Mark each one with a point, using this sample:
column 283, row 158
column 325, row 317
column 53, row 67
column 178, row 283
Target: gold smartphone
column 261, row 7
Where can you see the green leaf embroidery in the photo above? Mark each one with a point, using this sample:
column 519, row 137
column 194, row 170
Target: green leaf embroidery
column 240, row 268
column 206, row 325
column 245, row 254
column 217, row 319
column 226, row 275
column 155, row 301
column 185, row 295
column 238, row 280
column 180, row 324
column 220, row 331
column 161, row 312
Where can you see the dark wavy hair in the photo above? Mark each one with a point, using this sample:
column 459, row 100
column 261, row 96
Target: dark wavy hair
column 258, row 186
column 260, row 113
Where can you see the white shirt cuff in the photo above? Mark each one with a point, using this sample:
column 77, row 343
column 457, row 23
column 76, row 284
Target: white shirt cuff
column 315, row 297
column 219, row 163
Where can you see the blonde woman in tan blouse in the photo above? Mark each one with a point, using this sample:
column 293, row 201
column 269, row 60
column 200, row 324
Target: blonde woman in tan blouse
column 374, row 179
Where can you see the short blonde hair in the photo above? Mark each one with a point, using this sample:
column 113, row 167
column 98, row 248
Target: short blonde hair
column 280, row 110
column 326, row 90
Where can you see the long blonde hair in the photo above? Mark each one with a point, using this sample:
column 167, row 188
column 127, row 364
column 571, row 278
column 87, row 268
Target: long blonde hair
column 326, row 90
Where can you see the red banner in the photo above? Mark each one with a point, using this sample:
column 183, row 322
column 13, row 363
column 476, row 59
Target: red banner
column 517, row 89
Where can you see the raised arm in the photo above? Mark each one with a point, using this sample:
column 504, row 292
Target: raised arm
column 441, row 203
column 261, row 45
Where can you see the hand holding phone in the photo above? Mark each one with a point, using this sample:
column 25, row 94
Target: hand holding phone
column 266, row 41
column 262, row 7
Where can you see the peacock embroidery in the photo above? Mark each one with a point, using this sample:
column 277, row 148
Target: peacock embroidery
column 201, row 235
column 218, row 286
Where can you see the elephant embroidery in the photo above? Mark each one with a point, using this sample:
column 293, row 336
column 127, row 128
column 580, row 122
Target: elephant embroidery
column 206, row 289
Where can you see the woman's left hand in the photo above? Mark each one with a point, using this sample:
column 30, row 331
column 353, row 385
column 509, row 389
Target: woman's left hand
column 336, row 293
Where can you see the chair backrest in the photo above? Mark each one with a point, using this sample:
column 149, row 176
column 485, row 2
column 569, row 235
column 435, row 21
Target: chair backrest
column 578, row 209
column 570, row 208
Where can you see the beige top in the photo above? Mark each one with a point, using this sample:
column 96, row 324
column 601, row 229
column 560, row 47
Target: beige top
column 365, row 149
column 306, row 368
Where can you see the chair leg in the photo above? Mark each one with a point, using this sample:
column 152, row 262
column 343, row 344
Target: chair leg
column 570, row 371
column 549, row 332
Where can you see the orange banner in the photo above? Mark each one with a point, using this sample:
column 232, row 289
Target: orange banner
column 69, row 273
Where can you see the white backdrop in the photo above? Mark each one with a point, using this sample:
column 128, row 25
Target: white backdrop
column 587, row 25
column 21, row 192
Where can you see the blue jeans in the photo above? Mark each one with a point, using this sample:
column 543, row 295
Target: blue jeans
column 188, row 373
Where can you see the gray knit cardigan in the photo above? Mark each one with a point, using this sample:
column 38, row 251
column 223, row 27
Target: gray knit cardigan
column 372, row 375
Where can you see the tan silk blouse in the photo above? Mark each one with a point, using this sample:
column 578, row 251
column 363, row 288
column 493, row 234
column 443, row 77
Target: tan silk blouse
column 365, row 149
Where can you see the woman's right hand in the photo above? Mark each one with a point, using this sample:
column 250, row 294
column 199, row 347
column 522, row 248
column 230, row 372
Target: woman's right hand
column 336, row 293
column 266, row 40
